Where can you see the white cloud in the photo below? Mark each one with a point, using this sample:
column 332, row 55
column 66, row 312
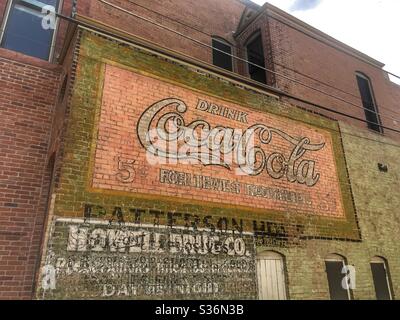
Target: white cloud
column 370, row 26
column 304, row 5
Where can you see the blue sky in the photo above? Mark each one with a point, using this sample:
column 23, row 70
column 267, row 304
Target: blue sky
column 370, row 26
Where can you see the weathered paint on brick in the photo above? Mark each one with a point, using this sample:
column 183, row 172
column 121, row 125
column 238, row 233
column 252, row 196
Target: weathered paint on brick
column 304, row 260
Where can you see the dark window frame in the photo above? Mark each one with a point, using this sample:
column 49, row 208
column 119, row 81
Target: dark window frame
column 219, row 53
column 6, row 17
column 376, row 126
column 336, row 259
column 251, row 39
column 378, row 260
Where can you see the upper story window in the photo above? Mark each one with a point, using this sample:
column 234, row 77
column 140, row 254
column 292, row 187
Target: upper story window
column 22, row 29
column 222, row 56
column 255, row 55
column 368, row 101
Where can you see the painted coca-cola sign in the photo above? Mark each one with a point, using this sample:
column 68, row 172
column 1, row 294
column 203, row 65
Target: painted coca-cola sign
column 199, row 142
column 157, row 138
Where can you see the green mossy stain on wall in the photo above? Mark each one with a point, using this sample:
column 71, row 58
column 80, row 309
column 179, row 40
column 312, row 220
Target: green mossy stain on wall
column 375, row 193
column 75, row 176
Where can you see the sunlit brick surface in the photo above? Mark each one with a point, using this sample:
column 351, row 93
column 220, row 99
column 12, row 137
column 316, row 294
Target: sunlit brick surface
column 127, row 95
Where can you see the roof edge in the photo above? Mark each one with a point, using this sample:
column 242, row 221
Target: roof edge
column 302, row 26
column 123, row 36
column 249, row 3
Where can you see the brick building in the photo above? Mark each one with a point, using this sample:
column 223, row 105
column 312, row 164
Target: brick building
column 94, row 206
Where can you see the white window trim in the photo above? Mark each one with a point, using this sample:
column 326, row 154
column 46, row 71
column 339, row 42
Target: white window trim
column 53, row 40
column 5, row 19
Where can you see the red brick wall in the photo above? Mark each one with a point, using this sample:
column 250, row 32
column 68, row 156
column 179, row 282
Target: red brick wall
column 28, row 88
column 293, row 53
column 60, row 113
column 260, row 24
column 118, row 141
column 319, row 65
column 213, row 17
column 287, row 51
column 3, row 5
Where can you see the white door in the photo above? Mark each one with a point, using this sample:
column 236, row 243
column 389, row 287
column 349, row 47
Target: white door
column 271, row 277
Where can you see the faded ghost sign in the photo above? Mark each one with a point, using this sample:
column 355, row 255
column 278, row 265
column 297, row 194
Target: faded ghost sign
column 98, row 260
column 198, row 142
column 161, row 139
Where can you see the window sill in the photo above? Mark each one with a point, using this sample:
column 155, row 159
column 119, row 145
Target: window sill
column 382, row 134
column 22, row 58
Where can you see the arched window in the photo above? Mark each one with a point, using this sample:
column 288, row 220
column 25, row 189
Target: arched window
column 334, row 264
column 271, row 276
column 222, row 54
column 255, row 56
column 368, row 102
column 381, row 276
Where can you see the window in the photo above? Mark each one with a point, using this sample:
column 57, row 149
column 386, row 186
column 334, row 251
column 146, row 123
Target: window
column 368, row 101
column 23, row 31
column 381, row 278
column 271, row 276
column 255, row 55
column 334, row 265
column 220, row 59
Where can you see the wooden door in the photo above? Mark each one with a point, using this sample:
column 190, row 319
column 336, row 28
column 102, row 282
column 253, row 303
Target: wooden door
column 271, row 277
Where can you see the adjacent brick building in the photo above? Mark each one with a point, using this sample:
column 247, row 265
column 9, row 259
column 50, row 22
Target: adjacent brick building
column 93, row 207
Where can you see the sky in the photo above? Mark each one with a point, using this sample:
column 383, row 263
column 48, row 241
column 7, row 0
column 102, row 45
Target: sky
column 370, row 26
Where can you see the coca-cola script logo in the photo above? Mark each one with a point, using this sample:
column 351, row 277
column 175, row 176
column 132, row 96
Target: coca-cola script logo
column 167, row 138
